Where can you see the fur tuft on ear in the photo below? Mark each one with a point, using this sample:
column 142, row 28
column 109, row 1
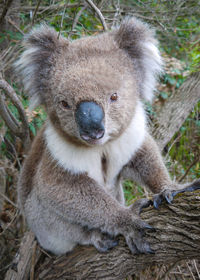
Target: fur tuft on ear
column 36, row 61
column 138, row 40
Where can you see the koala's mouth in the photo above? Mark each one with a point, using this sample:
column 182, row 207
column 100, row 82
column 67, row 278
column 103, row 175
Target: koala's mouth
column 93, row 138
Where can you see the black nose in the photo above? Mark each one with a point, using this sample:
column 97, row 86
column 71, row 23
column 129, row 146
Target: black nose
column 89, row 117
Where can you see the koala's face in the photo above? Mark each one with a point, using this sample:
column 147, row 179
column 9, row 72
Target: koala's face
column 91, row 86
column 91, row 99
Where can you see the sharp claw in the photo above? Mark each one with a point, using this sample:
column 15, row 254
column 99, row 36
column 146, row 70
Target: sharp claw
column 132, row 246
column 169, row 200
column 147, row 248
column 144, row 247
column 158, row 200
column 153, row 229
column 194, row 187
column 115, row 243
column 141, row 226
column 155, row 204
column 174, row 193
column 147, row 226
column 150, row 251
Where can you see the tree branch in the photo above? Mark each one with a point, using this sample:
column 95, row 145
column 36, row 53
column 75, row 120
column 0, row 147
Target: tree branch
column 176, row 238
column 5, row 10
column 176, row 109
column 20, row 130
column 98, row 13
column 78, row 15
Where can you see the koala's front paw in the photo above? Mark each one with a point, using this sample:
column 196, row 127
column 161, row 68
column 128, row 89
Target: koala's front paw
column 103, row 242
column 136, row 230
column 169, row 195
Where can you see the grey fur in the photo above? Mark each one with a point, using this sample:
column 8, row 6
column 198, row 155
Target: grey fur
column 69, row 189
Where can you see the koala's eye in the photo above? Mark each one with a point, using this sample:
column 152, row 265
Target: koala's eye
column 114, row 97
column 65, row 104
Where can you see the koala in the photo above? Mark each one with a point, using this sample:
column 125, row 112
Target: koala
column 93, row 88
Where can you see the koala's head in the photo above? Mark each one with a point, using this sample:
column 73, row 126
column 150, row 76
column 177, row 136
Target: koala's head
column 91, row 86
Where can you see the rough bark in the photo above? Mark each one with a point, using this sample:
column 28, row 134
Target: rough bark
column 177, row 237
column 176, row 110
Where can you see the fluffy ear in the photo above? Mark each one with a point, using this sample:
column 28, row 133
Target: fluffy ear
column 138, row 40
column 37, row 59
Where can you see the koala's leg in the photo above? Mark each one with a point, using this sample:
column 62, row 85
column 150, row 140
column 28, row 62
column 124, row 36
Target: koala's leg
column 58, row 236
column 86, row 204
column 147, row 168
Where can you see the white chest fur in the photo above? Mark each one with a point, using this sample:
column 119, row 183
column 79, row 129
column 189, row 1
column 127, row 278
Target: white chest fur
column 89, row 160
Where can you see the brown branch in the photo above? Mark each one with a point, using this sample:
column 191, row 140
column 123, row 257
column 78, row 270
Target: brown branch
column 78, row 15
column 5, row 10
column 6, row 115
column 20, row 130
column 194, row 162
column 61, row 23
column 176, row 109
column 35, row 12
column 98, row 13
column 15, row 26
column 176, row 238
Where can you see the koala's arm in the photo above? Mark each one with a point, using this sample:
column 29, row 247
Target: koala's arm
column 147, row 168
column 79, row 199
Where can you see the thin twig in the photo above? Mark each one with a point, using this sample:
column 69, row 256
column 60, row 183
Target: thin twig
column 195, row 265
column 98, row 13
column 193, row 277
column 6, row 115
column 181, row 273
column 61, row 23
column 75, row 22
column 10, row 223
column 7, row 199
column 188, row 169
column 33, row 259
column 15, row 26
column 117, row 13
column 35, row 12
column 167, row 272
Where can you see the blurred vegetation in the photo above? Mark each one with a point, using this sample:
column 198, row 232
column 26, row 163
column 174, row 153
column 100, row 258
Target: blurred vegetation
column 178, row 29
